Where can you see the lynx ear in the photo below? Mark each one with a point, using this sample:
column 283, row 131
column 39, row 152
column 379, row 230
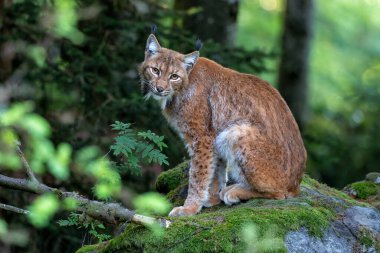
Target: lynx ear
column 190, row 60
column 152, row 46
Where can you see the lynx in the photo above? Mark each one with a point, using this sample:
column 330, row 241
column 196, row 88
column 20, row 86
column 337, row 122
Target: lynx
column 235, row 126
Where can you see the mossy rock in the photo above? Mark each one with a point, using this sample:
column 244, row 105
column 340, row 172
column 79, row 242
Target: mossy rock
column 364, row 189
column 321, row 219
column 367, row 190
column 171, row 179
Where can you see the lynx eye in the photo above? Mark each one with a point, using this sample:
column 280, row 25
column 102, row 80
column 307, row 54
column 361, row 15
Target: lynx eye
column 174, row 77
column 155, row 71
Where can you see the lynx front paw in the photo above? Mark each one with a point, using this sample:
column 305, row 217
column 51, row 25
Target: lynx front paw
column 184, row 211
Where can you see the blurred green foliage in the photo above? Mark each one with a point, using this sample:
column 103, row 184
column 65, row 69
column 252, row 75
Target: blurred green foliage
column 77, row 61
column 81, row 88
column 256, row 241
column 43, row 209
column 87, row 161
column 152, row 203
column 342, row 135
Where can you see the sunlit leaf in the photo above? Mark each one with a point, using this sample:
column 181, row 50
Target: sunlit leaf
column 15, row 113
column 66, row 21
column 103, row 191
column 11, row 161
column 58, row 170
column 37, row 54
column 87, row 155
column 36, row 125
column 3, row 227
column 8, row 138
column 156, row 229
column 70, row 203
column 152, row 203
column 58, row 165
column 43, row 209
column 256, row 242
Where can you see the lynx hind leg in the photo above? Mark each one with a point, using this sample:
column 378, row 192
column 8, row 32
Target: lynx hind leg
column 233, row 194
column 264, row 165
column 217, row 184
column 225, row 144
column 253, row 165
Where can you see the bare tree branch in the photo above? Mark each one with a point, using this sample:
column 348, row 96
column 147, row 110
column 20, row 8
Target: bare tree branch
column 23, row 185
column 107, row 212
column 13, row 209
column 28, row 170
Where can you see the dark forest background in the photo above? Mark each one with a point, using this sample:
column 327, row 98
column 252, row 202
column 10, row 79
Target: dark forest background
column 76, row 61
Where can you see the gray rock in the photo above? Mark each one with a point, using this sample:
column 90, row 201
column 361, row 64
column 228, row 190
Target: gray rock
column 374, row 177
column 300, row 242
column 358, row 216
column 336, row 203
column 341, row 236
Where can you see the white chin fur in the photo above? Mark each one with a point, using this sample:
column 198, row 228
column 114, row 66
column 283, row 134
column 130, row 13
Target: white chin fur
column 161, row 99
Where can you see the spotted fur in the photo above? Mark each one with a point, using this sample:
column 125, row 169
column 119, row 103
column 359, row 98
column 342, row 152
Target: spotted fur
column 230, row 122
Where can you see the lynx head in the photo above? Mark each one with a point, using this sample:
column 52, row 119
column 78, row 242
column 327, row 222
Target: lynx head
column 165, row 72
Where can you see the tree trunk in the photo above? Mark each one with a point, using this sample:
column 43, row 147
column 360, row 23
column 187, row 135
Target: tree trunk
column 5, row 64
column 216, row 19
column 294, row 63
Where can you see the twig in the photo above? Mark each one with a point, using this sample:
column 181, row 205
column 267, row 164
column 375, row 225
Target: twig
column 84, row 238
column 13, row 209
column 106, row 212
column 29, row 171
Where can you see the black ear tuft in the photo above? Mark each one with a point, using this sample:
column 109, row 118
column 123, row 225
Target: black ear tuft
column 153, row 29
column 198, row 44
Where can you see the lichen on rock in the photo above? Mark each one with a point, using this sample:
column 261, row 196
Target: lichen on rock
column 321, row 219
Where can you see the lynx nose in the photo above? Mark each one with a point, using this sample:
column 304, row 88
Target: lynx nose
column 160, row 89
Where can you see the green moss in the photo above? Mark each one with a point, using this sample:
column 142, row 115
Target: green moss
column 365, row 189
column 367, row 238
column 90, row 248
column 171, row 179
column 328, row 195
column 175, row 196
column 219, row 229
column 366, row 241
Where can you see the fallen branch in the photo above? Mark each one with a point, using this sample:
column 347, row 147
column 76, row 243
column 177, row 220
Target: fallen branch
column 13, row 209
column 106, row 212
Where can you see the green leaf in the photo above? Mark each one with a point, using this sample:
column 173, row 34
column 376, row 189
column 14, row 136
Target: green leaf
column 37, row 54
column 70, row 203
column 3, row 227
column 146, row 151
column 152, row 203
column 58, row 165
column 66, row 21
column 36, row 125
column 87, row 154
column 15, row 113
column 43, row 209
